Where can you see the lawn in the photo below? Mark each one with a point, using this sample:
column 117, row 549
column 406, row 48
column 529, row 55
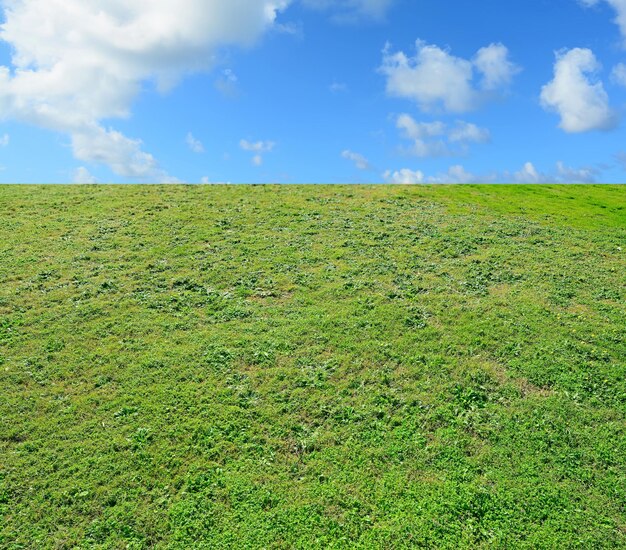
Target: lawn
column 312, row 367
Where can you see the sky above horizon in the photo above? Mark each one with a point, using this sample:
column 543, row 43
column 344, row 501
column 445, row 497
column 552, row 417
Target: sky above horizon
column 312, row 91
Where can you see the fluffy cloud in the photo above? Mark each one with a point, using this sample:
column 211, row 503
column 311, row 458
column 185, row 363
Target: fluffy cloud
column 435, row 79
column 5, row 139
column 405, row 176
column 438, row 139
column 579, row 99
column 359, row 161
column 77, row 62
column 352, row 10
column 528, row 174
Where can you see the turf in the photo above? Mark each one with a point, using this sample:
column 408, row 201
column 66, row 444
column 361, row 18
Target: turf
column 313, row 367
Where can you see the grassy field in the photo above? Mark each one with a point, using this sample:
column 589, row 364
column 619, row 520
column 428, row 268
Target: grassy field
column 313, row 367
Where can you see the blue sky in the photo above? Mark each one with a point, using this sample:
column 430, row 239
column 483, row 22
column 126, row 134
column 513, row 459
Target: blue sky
column 308, row 91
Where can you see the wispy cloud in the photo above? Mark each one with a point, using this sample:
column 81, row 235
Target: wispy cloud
column 359, row 161
column 194, row 144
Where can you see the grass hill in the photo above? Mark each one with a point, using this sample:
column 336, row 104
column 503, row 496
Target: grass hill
column 313, row 367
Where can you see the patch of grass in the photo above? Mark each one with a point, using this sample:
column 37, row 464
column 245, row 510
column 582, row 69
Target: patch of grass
column 313, row 367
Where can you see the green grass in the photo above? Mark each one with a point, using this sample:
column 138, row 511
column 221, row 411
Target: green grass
column 313, row 367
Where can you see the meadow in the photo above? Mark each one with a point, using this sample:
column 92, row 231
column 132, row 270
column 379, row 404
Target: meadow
column 312, row 367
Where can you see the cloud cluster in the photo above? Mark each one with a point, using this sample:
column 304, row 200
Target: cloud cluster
column 437, row 80
column 562, row 174
column 76, row 63
column 527, row 174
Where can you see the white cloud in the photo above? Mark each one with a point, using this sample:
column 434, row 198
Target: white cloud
column 349, row 11
column 194, row 144
column 528, row 174
column 579, row 99
column 257, row 160
column 439, row 139
column 76, row 63
column 5, row 140
column 359, row 161
column 404, row 176
column 432, row 77
column 82, row 175
column 435, row 79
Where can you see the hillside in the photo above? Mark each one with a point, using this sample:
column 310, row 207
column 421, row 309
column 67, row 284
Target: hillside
column 313, row 367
